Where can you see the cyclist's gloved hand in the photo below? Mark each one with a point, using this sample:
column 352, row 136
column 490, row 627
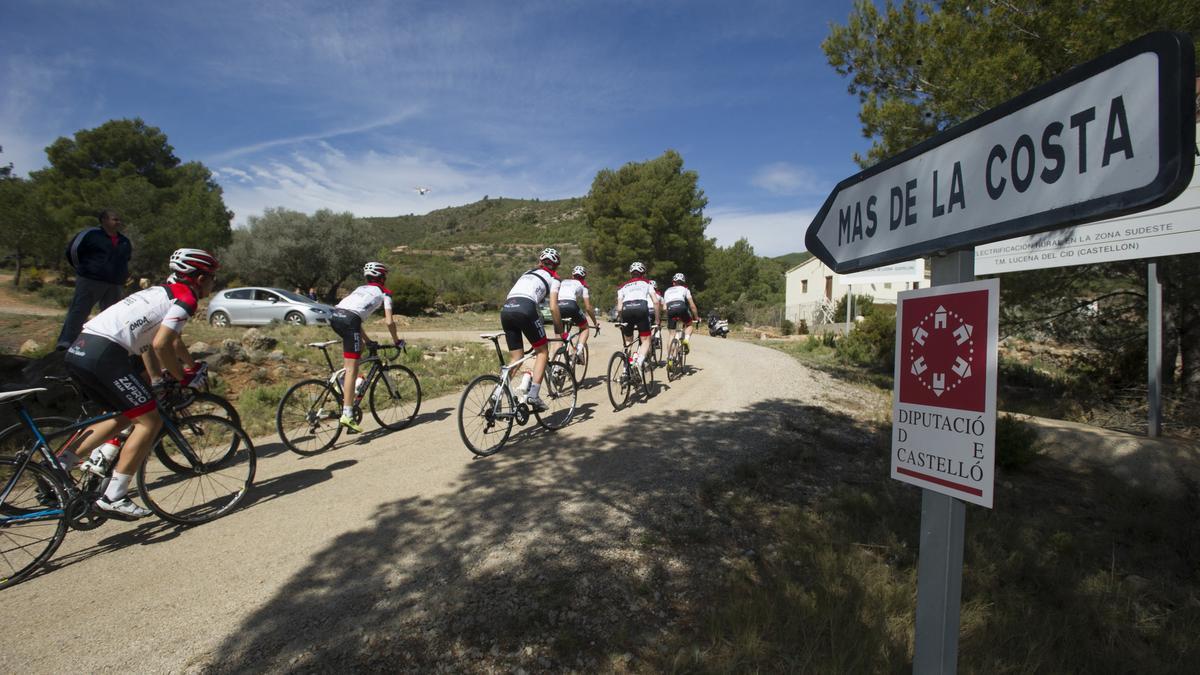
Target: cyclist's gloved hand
column 195, row 377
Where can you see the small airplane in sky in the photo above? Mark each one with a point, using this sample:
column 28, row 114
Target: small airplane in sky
column 421, row 190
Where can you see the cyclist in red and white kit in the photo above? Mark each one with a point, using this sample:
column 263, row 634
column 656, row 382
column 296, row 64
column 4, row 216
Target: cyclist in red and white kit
column 347, row 322
column 681, row 307
column 520, row 317
column 100, row 363
column 636, row 298
column 573, row 300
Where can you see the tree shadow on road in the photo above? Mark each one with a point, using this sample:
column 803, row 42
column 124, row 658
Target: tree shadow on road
column 540, row 557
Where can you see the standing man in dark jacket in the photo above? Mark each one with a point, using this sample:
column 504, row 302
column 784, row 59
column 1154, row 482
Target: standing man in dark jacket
column 100, row 256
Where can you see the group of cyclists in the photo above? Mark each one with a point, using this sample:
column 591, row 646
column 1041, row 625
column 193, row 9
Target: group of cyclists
column 638, row 300
column 127, row 351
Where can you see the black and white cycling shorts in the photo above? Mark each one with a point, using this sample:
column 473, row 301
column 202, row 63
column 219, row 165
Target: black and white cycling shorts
column 569, row 309
column 106, row 374
column 636, row 315
column 520, row 316
column 348, row 326
column 678, row 311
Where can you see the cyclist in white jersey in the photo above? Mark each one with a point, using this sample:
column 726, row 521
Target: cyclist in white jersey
column 520, row 317
column 681, row 307
column 347, row 322
column 571, row 295
column 635, row 298
column 100, row 363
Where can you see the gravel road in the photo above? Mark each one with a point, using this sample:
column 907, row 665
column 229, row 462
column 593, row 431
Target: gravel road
column 402, row 551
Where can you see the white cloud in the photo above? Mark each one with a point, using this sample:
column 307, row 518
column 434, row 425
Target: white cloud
column 782, row 178
column 771, row 234
column 374, row 182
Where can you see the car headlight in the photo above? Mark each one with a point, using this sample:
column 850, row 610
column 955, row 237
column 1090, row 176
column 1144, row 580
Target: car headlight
column 318, row 310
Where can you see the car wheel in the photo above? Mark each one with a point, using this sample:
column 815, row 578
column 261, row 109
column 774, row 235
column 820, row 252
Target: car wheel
column 219, row 319
column 294, row 319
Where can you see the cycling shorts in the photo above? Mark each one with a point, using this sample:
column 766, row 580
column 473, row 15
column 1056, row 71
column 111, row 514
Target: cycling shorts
column 678, row 311
column 636, row 315
column 106, row 374
column 348, row 325
column 520, row 316
column 569, row 309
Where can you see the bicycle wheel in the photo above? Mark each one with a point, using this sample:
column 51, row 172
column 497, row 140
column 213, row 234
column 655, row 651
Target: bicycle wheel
column 674, row 361
column 485, row 415
column 395, row 397
column 217, row 477
column 618, row 380
column 647, row 383
column 560, row 392
column 33, row 519
column 581, row 367
column 307, row 418
column 205, row 403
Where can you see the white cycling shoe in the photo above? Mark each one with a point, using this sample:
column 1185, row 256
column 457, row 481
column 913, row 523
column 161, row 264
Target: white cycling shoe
column 122, row 509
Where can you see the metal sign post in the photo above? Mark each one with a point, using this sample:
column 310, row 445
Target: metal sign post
column 1154, row 351
column 943, row 531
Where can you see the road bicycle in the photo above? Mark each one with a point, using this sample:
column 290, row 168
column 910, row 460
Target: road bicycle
column 571, row 350
column 308, row 413
column 199, row 469
column 676, row 356
column 489, row 406
column 624, row 379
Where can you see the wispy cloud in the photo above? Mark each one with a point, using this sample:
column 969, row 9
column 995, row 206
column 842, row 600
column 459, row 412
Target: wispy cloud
column 377, row 183
column 254, row 148
column 782, row 178
column 770, row 234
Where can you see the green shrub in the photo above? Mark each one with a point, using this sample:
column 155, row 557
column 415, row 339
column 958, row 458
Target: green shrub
column 872, row 343
column 1016, row 442
column 864, row 306
column 410, row 295
column 59, row 295
column 786, row 327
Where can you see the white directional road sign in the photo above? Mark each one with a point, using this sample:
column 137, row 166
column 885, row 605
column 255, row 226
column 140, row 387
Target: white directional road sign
column 1171, row 229
column 1112, row 136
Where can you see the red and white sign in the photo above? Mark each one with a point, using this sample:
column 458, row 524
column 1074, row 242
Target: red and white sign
column 944, row 401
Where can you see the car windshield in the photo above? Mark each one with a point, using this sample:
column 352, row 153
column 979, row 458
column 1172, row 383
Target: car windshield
column 292, row 296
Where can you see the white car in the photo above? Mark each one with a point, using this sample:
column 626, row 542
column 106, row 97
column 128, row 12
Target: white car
column 253, row 306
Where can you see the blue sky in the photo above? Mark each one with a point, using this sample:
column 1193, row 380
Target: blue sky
column 351, row 105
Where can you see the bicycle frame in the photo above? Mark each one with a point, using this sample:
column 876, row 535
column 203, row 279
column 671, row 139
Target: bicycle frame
column 42, row 446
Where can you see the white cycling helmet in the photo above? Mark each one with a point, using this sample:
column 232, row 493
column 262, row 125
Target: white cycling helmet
column 637, row 268
column 191, row 261
column 549, row 255
column 375, row 269
column 579, row 271
column 678, row 278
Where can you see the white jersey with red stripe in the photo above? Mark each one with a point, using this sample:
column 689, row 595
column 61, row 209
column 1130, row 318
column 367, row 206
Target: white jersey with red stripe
column 636, row 289
column 133, row 321
column 536, row 285
column 365, row 299
column 573, row 290
column 679, row 293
